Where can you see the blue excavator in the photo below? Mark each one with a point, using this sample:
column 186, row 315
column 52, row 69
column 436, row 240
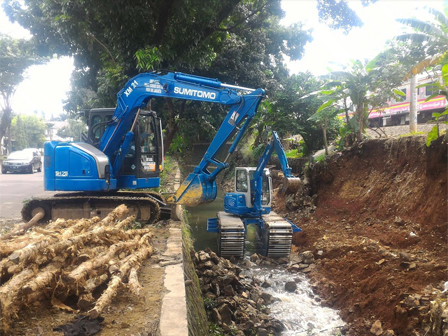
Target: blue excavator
column 250, row 203
column 123, row 152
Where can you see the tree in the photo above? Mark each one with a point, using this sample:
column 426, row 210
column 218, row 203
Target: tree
column 323, row 118
column 15, row 57
column 287, row 114
column 429, row 36
column 27, row 131
column 74, row 129
column 238, row 41
column 364, row 86
column 337, row 14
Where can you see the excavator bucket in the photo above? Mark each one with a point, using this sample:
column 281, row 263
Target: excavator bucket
column 195, row 190
column 291, row 185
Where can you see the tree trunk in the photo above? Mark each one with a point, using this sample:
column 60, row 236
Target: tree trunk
column 173, row 126
column 360, row 115
column 5, row 122
column 324, row 130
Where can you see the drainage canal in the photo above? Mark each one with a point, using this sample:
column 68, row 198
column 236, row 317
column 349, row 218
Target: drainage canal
column 299, row 311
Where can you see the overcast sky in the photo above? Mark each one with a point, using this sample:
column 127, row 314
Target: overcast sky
column 45, row 86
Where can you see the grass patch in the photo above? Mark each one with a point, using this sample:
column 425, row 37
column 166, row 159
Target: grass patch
column 411, row 134
column 320, row 158
column 293, row 154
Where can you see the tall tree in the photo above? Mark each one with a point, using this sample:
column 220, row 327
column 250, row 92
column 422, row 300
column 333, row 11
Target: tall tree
column 287, row 113
column 431, row 37
column 15, row 57
column 365, row 86
column 337, row 14
column 423, row 45
column 27, row 131
column 74, row 129
column 238, row 41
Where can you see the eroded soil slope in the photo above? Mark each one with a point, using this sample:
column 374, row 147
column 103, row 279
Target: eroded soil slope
column 375, row 217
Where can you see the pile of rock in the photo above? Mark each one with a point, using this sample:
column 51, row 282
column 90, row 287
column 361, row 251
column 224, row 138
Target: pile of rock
column 234, row 302
column 304, row 262
column 429, row 308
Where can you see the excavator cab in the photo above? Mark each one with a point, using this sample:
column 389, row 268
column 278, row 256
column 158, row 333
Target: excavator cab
column 145, row 156
column 242, row 201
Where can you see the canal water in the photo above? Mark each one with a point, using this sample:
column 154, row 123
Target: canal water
column 300, row 312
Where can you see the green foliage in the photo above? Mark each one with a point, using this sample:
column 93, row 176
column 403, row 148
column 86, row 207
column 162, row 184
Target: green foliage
column 441, row 87
column 293, row 154
column 15, row 57
column 239, row 42
column 258, row 151
column 209, row 304
column 148, row 59
column 320, row 158
column 362, row 87
column 288, row 114
column 74, row 129
column 337, row 14
column 430, row 37
column 434, row 133
column 167, row 173
column 410, row 134
column 215, row 330
column 27, row 131
column 178, row 145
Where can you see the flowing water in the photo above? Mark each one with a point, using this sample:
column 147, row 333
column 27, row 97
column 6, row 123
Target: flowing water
column 300, row 312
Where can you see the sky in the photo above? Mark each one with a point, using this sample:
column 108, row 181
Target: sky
column 45, row 86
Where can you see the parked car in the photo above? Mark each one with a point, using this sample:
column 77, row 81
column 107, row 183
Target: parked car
column 35, row 151
column 25, row 161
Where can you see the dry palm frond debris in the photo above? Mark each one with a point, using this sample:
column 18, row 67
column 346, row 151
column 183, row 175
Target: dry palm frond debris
column 89, row 259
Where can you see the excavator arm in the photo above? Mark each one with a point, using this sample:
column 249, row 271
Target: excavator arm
column 290, row 183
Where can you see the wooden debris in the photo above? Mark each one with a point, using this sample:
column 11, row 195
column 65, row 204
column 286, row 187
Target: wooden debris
column 69, row 258
column 133, row 283
column 106, row 297
column 22, row 228
column 126, row 222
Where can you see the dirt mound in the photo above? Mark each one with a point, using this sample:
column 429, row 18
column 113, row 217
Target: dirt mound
column 375, row 217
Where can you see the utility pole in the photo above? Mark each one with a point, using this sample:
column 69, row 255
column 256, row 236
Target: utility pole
column 413, row 105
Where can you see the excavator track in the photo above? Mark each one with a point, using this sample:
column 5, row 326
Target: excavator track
column 276, row 236
column 148, row 207
column 231, row 235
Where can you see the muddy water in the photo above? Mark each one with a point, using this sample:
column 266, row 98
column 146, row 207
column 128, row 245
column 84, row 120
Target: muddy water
column 300, row 312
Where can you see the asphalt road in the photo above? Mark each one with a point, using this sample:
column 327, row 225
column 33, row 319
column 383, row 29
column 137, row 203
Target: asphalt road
column 14, row 188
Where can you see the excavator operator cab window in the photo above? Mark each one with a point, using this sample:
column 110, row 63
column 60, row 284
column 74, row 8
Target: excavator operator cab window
column 148, row 143
column 266, row 188
column 98, row 119
column 241, row 181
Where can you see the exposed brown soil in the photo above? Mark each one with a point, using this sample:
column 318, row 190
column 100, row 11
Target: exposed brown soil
column 377, row 225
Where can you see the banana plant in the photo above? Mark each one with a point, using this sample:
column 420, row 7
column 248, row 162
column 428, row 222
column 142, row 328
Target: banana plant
column 361, row 88
column 441, row 87
column 431, row 36
column 322, row 117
